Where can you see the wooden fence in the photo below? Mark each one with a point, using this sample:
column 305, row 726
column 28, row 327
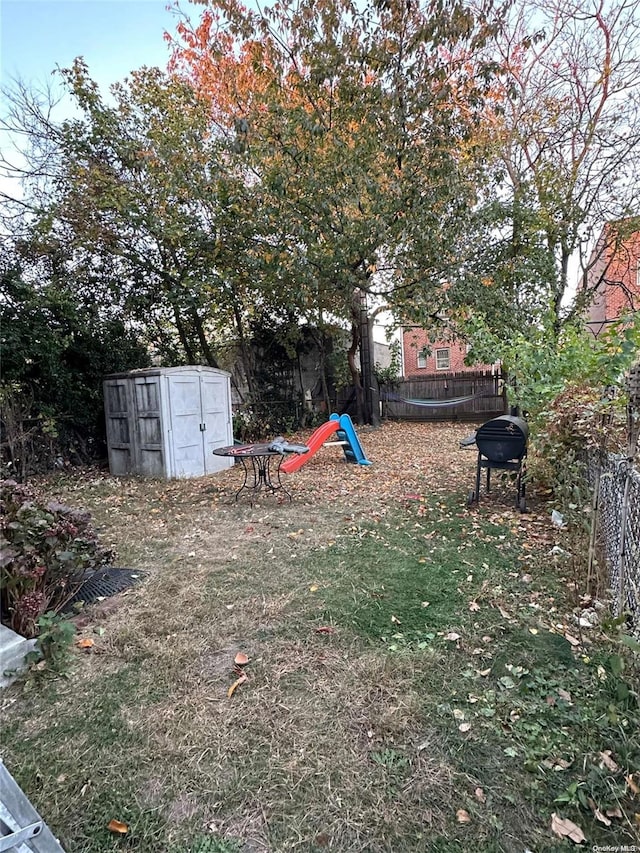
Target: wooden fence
column 488, row 391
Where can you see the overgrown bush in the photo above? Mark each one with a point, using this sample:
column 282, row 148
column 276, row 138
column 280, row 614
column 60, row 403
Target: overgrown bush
column 259, row 421
column 390, row 375
column 57, row 346
column 47, row 552
column 579, row 420
column 543, row 363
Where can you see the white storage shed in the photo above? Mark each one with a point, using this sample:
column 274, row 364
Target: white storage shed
column 166, row 421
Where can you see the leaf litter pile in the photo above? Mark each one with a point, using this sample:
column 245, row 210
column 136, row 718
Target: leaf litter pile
column 370, row 667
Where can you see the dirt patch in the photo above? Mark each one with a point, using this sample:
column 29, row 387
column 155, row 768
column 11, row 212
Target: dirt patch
column 251, row 827
column 183, row 808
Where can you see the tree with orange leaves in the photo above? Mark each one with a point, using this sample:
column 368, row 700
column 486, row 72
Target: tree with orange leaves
column 348, row 121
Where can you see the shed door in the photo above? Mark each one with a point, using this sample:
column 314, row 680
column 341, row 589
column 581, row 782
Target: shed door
column 216, row 419
column 150, row 455
column 187, row 437
column 119, row 434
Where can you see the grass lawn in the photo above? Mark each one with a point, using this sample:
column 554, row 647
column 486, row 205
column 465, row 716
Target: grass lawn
column 417, row 680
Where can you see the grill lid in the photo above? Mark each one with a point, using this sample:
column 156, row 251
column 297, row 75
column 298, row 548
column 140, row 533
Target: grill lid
column 504, row 438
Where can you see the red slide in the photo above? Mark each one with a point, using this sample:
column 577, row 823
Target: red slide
column 316, row 440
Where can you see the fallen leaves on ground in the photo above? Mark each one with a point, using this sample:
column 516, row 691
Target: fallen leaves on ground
column 373, row 496
column 557, row 764
column 565, row 828
column 608, row 762
column 235, row 685
column 85, row 643
column 598, row 814
column 632, row 785
column 118, row 827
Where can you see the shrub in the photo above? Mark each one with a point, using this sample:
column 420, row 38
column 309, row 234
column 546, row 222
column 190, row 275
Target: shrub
column 55, row 638
column 57, row 346
column 47, row 553
column 579, row 420
column 260, row 421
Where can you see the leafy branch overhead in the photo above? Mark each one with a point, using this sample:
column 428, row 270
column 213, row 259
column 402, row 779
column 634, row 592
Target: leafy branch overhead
column 444, row 160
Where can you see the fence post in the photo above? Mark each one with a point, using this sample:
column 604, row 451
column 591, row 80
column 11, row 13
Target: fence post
column 624, row 513
column 595, row 517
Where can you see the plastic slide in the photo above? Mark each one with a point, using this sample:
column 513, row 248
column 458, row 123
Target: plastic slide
column 316, row 440
column 343, row 425
column 353, row 449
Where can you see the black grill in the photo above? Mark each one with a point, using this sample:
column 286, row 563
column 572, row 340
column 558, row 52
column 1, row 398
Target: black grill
column 502, row 445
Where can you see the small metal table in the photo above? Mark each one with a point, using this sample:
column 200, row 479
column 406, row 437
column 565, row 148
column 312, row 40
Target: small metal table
column 259, row 473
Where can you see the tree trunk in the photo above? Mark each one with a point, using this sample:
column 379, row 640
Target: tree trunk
column 182, row 334
column 202, row 338
column 371, row 399
column 320, row 341
column 245, row 354
column 562, row 286
column 356, row 379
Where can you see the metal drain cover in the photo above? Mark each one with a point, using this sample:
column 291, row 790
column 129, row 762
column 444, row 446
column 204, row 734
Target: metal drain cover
column 103, row 584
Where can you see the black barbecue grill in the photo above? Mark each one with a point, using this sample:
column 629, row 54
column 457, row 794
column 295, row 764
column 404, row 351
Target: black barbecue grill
column 502, row 445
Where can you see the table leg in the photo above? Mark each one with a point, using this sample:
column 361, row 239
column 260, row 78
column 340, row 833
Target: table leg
column 245, row 471
column 259, row 476
column 278, row 486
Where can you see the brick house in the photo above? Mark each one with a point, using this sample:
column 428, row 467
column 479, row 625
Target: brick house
column 423, row 357
column 613, row 275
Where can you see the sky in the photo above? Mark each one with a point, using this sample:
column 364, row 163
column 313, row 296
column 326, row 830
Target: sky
column 113, row 36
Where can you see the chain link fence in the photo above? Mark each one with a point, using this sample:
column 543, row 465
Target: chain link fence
column 617, row 482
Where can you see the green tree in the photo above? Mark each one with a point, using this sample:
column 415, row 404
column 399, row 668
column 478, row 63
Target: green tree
column 351, row 120
column 56, row 349
column 143, row 193
column 541, row 363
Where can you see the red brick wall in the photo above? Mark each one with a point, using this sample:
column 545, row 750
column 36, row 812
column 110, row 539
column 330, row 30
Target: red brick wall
column 624, row 269
column 619, row 289
column 414, row 340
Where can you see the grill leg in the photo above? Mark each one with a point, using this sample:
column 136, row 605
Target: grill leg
column 521, row 502
column 478, row 470
column 488, row 479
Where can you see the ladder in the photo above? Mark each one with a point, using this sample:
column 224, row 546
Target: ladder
column 22, row 830
column 344, row 441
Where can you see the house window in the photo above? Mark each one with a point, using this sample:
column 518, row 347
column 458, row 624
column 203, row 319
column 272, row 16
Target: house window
column 443, row 359
column 422, row 358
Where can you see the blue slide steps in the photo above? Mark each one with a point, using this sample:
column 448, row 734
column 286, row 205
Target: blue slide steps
column 352, row 449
